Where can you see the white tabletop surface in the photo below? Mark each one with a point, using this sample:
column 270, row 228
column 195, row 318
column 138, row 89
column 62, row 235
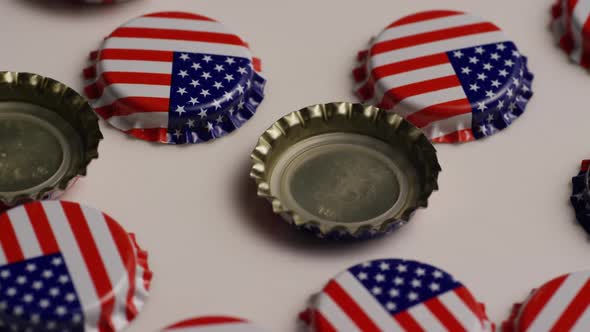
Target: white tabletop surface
column 501, row 221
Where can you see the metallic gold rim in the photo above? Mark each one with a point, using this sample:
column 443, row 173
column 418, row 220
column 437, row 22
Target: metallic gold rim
column 68, row 104
column 353, row 118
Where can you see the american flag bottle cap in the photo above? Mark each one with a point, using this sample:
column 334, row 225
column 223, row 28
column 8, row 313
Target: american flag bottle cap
column 344, row 170
column 174, row 77
column 580, row 198
column 48, row 137
column 570, row 22
column 67, row 267
column 214, row 324
column 395, row 295
column 561, row 304
column 454, row 75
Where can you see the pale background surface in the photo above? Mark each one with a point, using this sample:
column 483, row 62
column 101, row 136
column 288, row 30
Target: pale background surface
column 501, row 222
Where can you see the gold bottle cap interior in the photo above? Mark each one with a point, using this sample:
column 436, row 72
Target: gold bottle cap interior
column 343, row 178
column 37, row 148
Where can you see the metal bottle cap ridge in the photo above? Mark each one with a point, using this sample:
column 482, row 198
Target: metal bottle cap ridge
column 48, row 136
column 345, row 170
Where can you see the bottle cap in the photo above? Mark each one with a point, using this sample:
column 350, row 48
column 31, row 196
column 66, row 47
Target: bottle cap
column 175, row 78
column 454, row 75
column 561, row 304
column 580, row 198
column 345, row 170
column 569, row 21
column 66, row 267
column 48, row 136
column 395, row 295
column 214, row 324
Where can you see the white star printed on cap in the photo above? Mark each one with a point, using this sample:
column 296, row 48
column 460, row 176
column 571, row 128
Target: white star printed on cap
column 196, row 66
column 412, row 296
column 228, row 95
column 217, row 104
column 229, row 77
column 180, row 110
column 195, row 83
column 207, row 58
column 481, row 106
column 193, row 101
column 184, row 57
column 473, row 60
column 182, row 91
column 466, row 70
column 495, row 56
column 183, row 73
column 501, row 47
column 209, row 126
column 376, row 290
column 401, row 268
column 203, row 113
column 218, row 85
column 190, row 123
column 230, row 61
column 242, row 71
column 394, row 292
column 479, row 50
column 458, row 54
column 206, row 75
column 205, row 93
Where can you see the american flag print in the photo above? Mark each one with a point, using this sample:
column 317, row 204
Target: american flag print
column 571, row 28
column 580, row 196
column 454, row 75
column 562, row 304
column 66, row 267
column 214, row 324
column 396, row 295
column 174, row 78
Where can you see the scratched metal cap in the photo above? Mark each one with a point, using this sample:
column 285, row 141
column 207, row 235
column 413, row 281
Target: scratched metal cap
column 48, row 136
column 344, row 170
